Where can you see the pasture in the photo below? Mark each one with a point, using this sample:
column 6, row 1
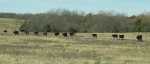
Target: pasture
column 79, row 49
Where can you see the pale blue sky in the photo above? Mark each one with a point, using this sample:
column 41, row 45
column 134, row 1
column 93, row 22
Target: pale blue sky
column 128, row 7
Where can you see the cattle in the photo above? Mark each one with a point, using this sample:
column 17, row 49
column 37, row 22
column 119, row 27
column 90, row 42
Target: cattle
column 16, row 32
column 115, row 36
column 5, row 31
column 94, row 35
column 45, row 33
column 121, row 37
column 65, row 34
column 26, row 32
column 71, row 33
column 56, row 34
column 36, row 33
column 22, row 30
column 139, row 38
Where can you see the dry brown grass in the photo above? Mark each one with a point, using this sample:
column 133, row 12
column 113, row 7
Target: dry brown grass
column 77, row 50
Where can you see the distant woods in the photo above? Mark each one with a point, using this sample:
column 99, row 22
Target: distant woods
column 73, row 21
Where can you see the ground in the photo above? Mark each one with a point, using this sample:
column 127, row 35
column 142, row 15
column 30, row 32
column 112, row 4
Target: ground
column 32, row 49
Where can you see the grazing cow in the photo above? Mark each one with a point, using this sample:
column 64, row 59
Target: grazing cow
column 22, row 30
column 5, row 31
column 56, row 34
column 45, row 33
column 26, row 32
column 94, row 35
column 71, row 33
column 121, row 37
column 16, row 32
column 115, row 36
column 65, row 34
column 36, row 33
column 139, row 38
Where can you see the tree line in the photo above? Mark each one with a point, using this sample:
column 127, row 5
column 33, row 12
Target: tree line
column 74, row 21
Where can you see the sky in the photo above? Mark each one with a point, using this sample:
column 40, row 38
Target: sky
column 129, row 7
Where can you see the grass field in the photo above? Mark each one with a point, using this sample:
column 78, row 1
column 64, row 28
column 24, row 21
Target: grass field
column 80, row 49
column 59, row 50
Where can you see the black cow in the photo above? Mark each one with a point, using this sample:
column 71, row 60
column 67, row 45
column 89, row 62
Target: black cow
column 5, row 31
column 121, row 37
column 36, row 33
column 65, row 34
column 115, row 36
column 26, row 32
column 71, row 33
column 22, row 30
column 94, row 35
column 16, row 32
column 139, row 38
column 45, row 33
column 56, row 34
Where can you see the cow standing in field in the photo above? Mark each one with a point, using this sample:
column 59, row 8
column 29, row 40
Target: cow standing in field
column 45, row 33
column 56, row 34
column 94, row 35
column 71, row 33
column 36, row 33
column 22, row 30
column 26, row 32
column 115, row 36
column 16, row 32
column 121, row 37
column 5, row 31
column 139, row 38
column 65, row 34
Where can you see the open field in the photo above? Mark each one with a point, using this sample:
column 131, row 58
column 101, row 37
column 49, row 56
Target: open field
column 80, row 49
column 59, row 50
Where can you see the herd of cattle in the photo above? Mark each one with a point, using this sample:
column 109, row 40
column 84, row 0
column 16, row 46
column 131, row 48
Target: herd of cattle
column 66, row 34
